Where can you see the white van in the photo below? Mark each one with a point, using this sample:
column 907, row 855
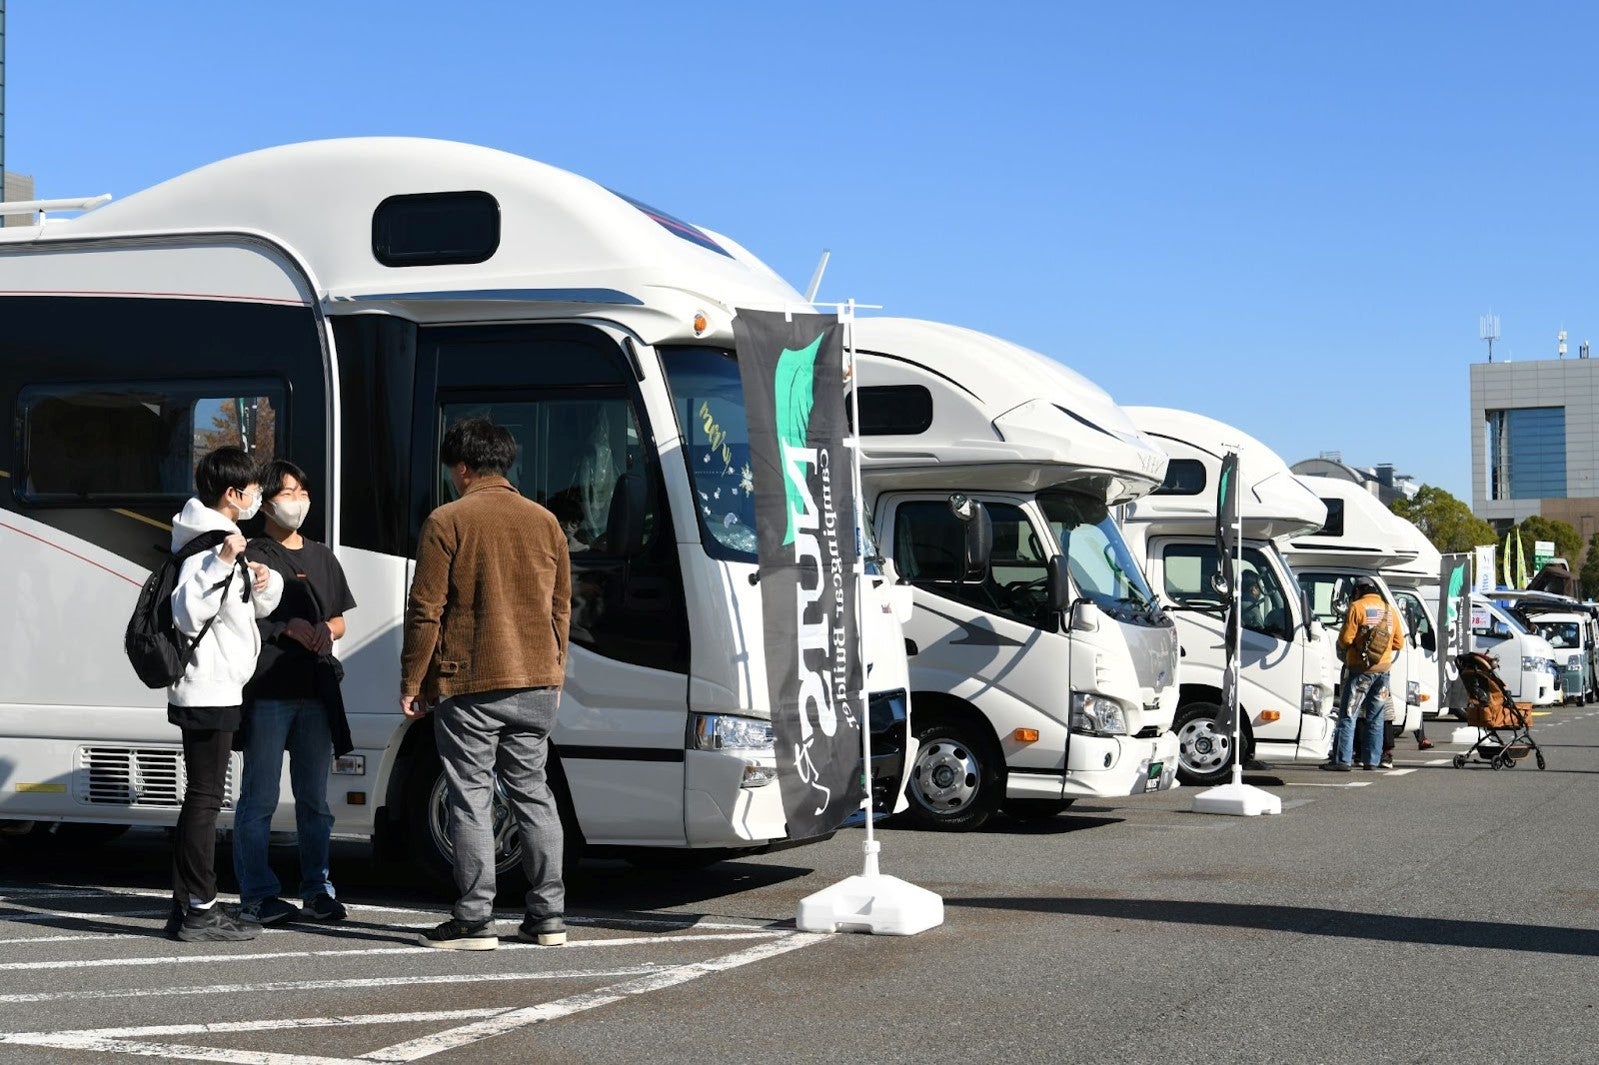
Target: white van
column 1360, row 539
column 1287, row 675
column 339, row 303
column 1046, row 672
column 1526, row 660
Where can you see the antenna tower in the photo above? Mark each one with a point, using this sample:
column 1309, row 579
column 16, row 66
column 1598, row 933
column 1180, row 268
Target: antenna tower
column 1560, row 344
column 1488, row 329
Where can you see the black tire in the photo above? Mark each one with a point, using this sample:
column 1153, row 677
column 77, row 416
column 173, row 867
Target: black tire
column 1539, row 756
column 428, row 847
column 1035, row 809
column 1204, row 753
column 1460, row 761
column 964, row 777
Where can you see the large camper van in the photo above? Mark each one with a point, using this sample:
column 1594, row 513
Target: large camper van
column 1047, row 671
column 340, row 303
column 1359, row 539
column 1286, row 680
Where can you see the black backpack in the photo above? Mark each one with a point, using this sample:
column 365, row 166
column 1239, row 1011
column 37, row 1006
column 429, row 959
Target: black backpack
column 158, row 651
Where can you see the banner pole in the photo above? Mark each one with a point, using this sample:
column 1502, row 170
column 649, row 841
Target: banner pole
column 871, row 847
column 1238, row 636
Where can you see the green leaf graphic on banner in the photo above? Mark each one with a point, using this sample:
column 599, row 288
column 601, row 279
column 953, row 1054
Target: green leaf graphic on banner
column 795, row 388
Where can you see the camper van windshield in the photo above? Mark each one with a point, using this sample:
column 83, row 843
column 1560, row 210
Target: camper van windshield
column 709, row 400
column 1101, row 566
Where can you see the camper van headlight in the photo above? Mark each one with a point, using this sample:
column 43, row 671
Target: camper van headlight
column 1097, row 715
column 729, row 732
column 1413, row 693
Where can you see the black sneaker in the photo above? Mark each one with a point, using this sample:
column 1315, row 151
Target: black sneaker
column 268, row 911
column 324, row 907
column 1337, row 767
column 175, row 918
column 545, row 931
column 214, row 925
column 459, row 935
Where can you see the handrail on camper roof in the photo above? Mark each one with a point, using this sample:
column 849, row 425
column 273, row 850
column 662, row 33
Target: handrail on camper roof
column 42, row 207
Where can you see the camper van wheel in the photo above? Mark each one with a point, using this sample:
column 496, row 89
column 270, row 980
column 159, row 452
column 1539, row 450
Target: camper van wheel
column 429, row 842
column 1204, row 749
column 956, row 783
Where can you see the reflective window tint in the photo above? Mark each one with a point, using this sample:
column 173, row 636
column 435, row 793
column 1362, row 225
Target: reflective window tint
column 896, row 410
column 1184, row 477
column 1527, row 453
column 436, row 229
column 136, row 442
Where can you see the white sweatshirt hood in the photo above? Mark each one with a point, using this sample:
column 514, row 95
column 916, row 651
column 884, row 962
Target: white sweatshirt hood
column 194, row 519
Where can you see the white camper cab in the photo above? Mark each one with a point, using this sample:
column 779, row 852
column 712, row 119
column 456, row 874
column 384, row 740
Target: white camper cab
column 1415, row 585
column 1286, row 680
column 339, row 303
column 1359, row 539
column 1045, row 672
column 1526, row 659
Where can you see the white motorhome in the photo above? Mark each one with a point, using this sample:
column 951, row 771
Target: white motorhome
column 1526, row 660
column 1415, row 585
column 340, row 303
column 1286, row 680
column 1572, row 629
column 1359, row 539
column 1047, row 673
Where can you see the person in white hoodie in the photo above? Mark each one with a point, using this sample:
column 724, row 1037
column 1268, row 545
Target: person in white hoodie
column 219, row 596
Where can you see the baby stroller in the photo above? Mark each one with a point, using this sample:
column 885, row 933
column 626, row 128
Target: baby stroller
column 1489, row 707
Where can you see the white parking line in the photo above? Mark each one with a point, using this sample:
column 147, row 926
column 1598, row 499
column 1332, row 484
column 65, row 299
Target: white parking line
column 1398, row 772
column 1351, row 784
column 492, row 1022
column 200, row 959
column 323, row 985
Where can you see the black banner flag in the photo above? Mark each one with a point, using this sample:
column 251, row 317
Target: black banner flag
column 1454, row 610
column 792, row 371
column 1227, row 581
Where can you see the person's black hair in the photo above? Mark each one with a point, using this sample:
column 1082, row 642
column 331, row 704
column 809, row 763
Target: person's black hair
column 224, row 468
column 273, row 473
column 486, row 448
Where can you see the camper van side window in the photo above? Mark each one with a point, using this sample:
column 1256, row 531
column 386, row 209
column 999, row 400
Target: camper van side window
column 1335, row 518
column 927, row 551
column 137, row 442
column 436, row 229
column 896, row 410
column 1188, row 572
column 1184, row 477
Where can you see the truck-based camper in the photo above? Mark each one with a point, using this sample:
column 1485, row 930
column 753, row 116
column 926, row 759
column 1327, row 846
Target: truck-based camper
column 1286, row 679
column 1359, row 539
column 1045, row 671
column 340, row 303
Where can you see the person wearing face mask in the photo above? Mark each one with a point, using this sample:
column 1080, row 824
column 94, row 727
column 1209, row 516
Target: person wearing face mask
column 292, row 704
column 219, row 596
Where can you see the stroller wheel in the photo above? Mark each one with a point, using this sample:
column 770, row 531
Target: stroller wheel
column 1460, row 761
column 1539, row 756
column 1495, row 761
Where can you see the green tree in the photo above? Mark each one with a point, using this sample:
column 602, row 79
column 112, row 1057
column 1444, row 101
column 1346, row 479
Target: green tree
column 1589, row 574
column 1445, row 520
column 1567, row 540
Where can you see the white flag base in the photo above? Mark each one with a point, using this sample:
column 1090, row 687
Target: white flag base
column 873, row 903
column 1237, row 800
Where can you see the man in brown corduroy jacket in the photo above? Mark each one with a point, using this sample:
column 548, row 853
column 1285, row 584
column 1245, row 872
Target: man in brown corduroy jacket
column 486, row 637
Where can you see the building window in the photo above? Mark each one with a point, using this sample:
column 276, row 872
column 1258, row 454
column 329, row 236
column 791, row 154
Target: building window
column 1527, row 453
column 138, row 442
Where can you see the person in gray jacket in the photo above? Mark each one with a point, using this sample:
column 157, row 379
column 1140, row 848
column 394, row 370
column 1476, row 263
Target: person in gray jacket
column 219, row 596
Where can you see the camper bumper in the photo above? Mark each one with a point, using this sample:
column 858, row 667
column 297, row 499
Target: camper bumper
column 1110, row 766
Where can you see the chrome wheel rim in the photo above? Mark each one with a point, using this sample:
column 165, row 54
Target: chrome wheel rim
column 507, row 837
column 946, row 777
column 1202, row 748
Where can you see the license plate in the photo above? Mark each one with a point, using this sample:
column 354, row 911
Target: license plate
column 1152, row 782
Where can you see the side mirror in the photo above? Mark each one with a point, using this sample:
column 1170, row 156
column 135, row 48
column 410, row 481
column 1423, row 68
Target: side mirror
column 1057, row 589
column 978, row 546
column 630, row 504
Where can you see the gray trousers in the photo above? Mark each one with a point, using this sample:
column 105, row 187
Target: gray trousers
column 507, row 732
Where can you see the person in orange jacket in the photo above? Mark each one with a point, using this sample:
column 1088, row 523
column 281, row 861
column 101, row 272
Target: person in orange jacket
column 1370, row 638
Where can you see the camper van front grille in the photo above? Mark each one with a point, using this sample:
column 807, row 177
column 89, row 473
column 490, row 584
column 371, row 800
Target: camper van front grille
column 150, row 777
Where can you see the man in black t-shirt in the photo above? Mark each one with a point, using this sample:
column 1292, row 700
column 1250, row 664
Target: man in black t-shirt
column 292, row 703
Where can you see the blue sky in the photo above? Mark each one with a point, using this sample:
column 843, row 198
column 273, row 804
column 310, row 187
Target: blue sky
column 1287, row 216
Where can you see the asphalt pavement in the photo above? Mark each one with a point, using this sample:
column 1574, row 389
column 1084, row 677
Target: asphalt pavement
column 1429, row 914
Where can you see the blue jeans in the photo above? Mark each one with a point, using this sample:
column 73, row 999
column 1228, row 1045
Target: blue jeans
column 301, row 727
column 1362, row 696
